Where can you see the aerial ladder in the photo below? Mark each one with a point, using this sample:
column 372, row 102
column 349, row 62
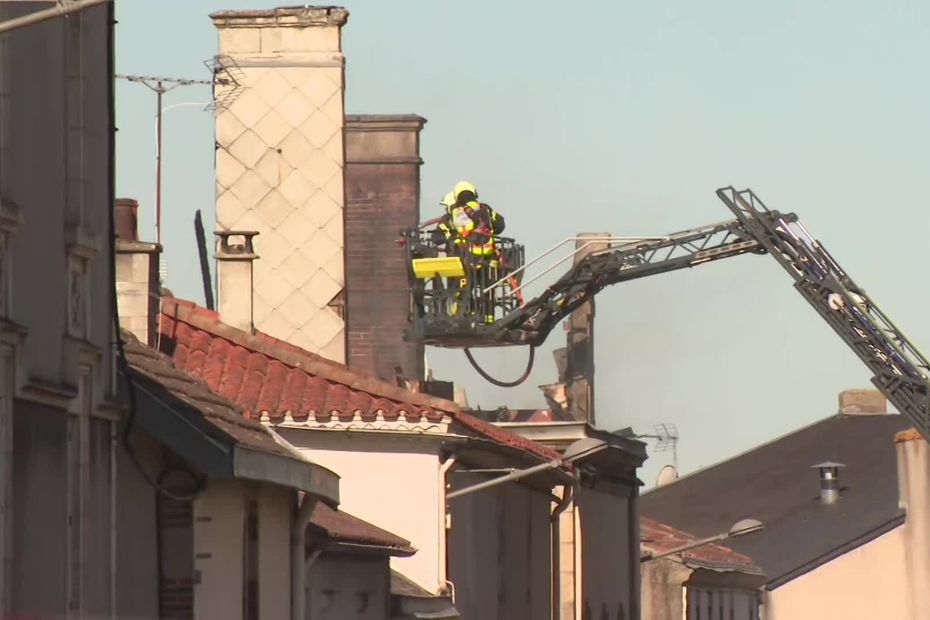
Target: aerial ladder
column 900, row 371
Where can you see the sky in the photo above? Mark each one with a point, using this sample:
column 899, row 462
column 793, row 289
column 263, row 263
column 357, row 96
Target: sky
column 623, row 117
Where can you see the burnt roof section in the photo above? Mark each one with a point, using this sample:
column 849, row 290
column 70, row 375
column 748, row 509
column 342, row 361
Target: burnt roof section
column 774, row 483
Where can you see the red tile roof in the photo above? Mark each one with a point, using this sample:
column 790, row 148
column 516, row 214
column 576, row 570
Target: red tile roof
column 267, row 376
column 659, row 537
column 342, row 527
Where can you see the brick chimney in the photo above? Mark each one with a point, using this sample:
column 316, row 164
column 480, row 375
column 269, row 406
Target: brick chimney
column 137, row 286
column 280, row 163
column 235, row 258
column 382, row 197
column 862, row 402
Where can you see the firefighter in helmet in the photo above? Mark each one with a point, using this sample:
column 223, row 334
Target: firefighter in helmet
column 468, row 229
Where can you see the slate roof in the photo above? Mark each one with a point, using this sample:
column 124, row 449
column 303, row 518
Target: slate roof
column 775, row 484
column 659, row 537
column 343, row 527
column 267, row 376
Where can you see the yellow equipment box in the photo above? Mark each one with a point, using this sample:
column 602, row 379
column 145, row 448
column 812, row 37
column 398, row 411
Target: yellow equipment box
column 448, row 267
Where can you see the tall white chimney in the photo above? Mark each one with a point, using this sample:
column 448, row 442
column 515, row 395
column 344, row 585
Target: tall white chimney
column 914, row 488
column 279, row 167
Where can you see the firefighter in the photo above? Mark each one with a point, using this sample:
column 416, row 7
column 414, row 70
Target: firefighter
column 468, row 229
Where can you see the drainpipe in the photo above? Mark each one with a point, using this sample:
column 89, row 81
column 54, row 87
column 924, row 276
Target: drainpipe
column 298, row 561
column 579, row 604
column 443, row 517
column 564, row 501
column 114, row 447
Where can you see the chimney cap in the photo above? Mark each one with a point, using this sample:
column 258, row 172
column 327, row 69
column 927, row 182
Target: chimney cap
column 862, row 402
column 827, row 465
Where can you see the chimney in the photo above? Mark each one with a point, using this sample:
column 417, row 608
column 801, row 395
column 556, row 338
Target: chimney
column 862, row 402
column 829, row 481
column 579, row 354
column 235, row 255
column 914, row 488
column 382, row 197
column 280, row 165
column 137, row 284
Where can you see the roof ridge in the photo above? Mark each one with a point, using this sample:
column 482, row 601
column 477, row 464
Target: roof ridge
column 202, row 318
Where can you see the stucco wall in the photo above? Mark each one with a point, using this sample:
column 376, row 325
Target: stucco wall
column 275, row 510
column 662, row 581
column 342, row 588
column 219, row 514
column 867, row 583
column 390, row 482
column 606, row 548
column 499, row 551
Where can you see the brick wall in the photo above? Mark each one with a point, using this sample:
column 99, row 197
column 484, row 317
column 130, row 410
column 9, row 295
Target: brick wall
column 382, row 196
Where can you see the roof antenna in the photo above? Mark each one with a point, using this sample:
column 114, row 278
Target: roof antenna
column 666, row 436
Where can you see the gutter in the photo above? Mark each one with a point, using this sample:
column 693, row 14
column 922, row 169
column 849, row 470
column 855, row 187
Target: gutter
column 60, row 9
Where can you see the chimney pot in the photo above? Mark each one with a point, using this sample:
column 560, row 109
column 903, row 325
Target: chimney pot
column 862, row 402
column 127, row 219
column 829, row 481
column 235, row 295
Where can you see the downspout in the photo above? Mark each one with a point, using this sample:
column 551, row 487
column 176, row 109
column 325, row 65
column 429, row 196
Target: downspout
column 579, row 604
column 298, row 561
column 635, row 564
column 114, row 446
column 556, row 566
column 443, row 517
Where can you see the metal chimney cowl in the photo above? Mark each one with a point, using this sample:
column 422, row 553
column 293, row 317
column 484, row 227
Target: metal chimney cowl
column 829, row 481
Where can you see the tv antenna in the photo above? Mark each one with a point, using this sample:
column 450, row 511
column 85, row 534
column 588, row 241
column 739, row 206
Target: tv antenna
column 666, row 436
column 226, row 74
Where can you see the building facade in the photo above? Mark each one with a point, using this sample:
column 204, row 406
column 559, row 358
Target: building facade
column 58, row 409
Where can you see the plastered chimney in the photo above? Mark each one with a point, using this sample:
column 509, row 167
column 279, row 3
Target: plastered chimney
column 913, row 453
column 235, row 258
column 136, row 274
column 280, row 166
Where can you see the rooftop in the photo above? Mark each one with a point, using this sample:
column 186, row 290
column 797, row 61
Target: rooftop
column 344, row 529
column 265, row 376
column 659, row 537
column 775, row 484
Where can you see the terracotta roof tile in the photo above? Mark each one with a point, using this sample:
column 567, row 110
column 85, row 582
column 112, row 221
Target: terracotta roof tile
column 267, row 376
column 659, row 537
column 148, row 365
column 343, row 527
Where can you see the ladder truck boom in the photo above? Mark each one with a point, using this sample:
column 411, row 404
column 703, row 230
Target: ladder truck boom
column 900, row 371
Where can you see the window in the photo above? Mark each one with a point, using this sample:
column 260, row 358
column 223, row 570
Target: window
column 707, row 603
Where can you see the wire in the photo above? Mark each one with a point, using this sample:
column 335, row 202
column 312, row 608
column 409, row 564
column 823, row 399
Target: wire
column 128, row 422
column 489, row 378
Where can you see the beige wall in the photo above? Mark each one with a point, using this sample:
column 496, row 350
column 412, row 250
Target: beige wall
column 662, row 597
column 341, row 588
column 391, row 482
column 914, row 487
column 55, row 204
column 275, row 514
column 865, row 584
column 279, row 168
column 606, row 549
column 219, row 514
column 499, row 551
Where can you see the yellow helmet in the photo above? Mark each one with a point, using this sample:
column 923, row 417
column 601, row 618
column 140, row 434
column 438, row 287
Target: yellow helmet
column 464, row 186
column 448, row 200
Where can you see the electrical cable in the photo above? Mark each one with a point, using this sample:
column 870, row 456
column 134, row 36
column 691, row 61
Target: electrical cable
column 128, row 422
column 490, row 379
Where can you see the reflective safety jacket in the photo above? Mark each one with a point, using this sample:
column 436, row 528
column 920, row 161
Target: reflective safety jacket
column 472, row 226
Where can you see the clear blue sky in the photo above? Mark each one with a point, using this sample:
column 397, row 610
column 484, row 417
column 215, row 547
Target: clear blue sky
column 624, row 117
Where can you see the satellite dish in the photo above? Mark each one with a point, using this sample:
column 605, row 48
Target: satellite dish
column 668, row 474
